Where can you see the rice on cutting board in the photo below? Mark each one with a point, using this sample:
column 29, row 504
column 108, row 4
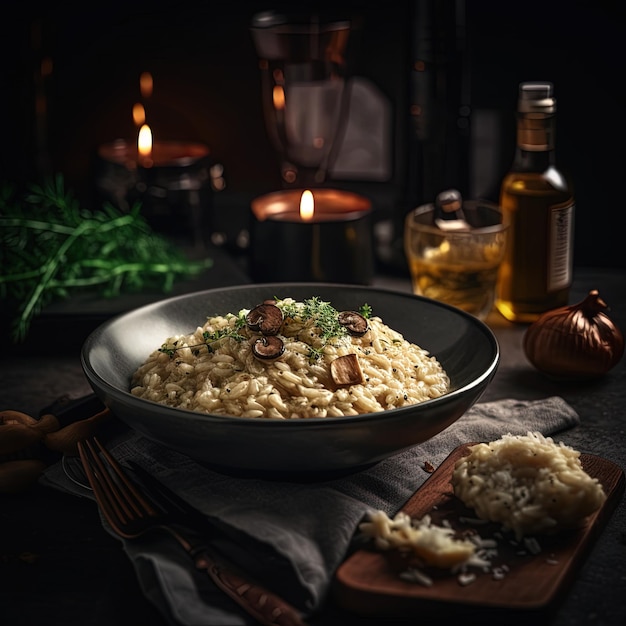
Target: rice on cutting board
column 528, row 483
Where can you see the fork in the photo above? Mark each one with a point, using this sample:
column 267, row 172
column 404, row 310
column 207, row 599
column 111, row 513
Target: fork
column 131, row 514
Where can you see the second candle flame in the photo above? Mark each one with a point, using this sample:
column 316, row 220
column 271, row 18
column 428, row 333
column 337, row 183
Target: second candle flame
column 307, row 205
column 144, row 143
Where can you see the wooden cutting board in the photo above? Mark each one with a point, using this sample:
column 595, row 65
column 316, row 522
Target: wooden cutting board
column 368, row 582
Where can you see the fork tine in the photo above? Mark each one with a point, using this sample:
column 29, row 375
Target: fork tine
column 107, row 505
column 138, row 502
column 120, row 500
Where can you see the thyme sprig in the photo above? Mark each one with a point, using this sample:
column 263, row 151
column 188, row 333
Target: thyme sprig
column 50, row 247
column 212, row 337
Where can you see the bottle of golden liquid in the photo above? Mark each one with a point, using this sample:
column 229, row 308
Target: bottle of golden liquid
column 538, row 203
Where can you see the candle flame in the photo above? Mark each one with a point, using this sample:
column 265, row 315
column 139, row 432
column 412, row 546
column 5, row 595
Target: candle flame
column 144, row 142
column 278, row 97
column 307, row 205
column 139, row 114
column 145, row 84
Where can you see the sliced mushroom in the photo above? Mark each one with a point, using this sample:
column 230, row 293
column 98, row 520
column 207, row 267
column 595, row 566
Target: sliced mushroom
column 354, row 322
column 345, row 370
column 265, row 318
column 268, row 347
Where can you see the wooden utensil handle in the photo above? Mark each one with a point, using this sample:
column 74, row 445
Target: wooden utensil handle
column 264, row 605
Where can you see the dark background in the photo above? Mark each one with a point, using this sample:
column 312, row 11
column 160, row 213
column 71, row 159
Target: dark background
column 207, row 88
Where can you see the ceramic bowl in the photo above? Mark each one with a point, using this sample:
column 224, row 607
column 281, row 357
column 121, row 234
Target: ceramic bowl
column 464, row 345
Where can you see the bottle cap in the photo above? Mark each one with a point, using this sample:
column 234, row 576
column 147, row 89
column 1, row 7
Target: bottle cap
column 536, row 97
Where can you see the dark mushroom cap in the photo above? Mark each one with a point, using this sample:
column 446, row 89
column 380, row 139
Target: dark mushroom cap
column 268, row 347
column 354, row 322
column 265, row 318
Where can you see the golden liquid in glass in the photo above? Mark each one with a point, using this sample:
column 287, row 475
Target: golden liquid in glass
column 468, row 284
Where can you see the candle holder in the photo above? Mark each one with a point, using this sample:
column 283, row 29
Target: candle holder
column 173, row 186
column 334, row 245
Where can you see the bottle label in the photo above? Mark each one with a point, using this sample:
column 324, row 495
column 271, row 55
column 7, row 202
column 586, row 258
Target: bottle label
column 561, row 244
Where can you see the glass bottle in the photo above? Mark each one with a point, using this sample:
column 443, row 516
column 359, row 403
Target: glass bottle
column 538, row 203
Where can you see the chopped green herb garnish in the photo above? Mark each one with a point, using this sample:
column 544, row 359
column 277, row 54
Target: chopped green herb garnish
column 322, row 315
column 222, row 333
column 325, row 318
column 212, row 337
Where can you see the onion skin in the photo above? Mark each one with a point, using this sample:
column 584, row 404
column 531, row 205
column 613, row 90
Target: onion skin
column 575, row 342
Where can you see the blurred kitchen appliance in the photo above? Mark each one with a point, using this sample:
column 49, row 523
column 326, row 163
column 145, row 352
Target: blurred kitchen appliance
column 303, row 67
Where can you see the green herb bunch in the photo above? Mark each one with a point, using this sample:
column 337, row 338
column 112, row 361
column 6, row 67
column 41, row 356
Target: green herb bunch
column 50, row 247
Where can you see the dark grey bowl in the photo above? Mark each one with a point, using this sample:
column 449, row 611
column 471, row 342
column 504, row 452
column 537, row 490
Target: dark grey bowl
column 465, row 347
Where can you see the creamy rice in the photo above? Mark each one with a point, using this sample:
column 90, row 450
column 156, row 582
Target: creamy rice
column 432, row 544
column 225, row 378
column 529, row 484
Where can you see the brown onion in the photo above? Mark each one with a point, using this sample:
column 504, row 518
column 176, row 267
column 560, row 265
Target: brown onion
column 575, row 342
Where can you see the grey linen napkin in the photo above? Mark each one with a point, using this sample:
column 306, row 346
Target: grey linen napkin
column 293, row 536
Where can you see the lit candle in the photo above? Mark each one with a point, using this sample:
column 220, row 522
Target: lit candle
column 174, row 154
column 171, row 179
column 144, row 145
column 323, row 235
column 307, row 205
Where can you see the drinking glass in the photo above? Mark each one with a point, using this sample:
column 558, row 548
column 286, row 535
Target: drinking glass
column 457, row 266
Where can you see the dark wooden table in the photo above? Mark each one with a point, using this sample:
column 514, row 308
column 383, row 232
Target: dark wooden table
column 58, row 566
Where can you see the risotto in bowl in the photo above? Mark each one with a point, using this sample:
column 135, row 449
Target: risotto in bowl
column 290, row 379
